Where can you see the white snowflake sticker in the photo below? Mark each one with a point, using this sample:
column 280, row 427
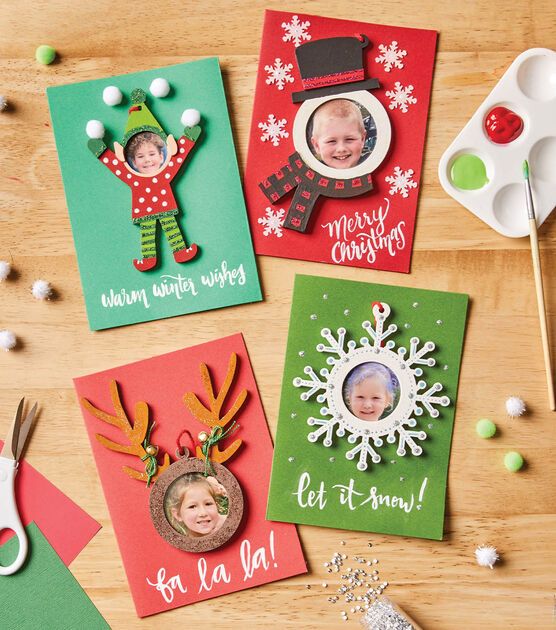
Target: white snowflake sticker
column 296, row 31
column 273, row 130
column 279, row 74
column 414, row 396
column 401, row 181
column 273, row 222
column 401, row 97
column 391, row 56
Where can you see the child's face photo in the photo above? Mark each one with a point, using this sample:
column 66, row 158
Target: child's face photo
column 198, row 511
column 371, row 391
column 338, row 141
column 146, row 152
column 369, row 399
column 148, row 158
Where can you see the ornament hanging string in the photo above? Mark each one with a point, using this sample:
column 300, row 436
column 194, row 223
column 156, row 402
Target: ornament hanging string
column 215, row 436
column 183, row 451
column 151, row 465
column 381, row 309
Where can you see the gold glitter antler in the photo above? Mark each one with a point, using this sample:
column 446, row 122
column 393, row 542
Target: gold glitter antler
column 138, row 435
column 211, row 415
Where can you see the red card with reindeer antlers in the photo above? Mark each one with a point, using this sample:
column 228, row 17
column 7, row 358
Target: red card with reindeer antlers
column 196, row 390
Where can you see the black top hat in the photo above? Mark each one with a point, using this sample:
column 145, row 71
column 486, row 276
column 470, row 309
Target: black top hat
column 332, row 66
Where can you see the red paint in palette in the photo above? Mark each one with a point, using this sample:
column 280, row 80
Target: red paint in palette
column 502, row 125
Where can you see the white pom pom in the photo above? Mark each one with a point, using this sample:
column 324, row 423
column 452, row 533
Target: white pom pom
column 7, row 340
column 41, row 290
column 3, row 103
column 486, row 556
column 112, row 95
column 5, row 269
column 515, row 406
column 160, row 88
column 95, row 129
column 190, row 118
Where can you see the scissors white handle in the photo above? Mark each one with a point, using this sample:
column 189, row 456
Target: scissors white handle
column 9, row 516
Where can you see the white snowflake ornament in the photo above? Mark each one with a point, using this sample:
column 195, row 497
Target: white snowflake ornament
column 273, row 222
column 486, row 556
column 401, row 97
column 273, row 130
column 391, row 56
column 415, row 396
column 279, row 74
column 295, row 31
column 401, row 182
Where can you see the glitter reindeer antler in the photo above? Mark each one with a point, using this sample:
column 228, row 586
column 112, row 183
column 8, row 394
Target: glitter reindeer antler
column 138, row 435
column 211, row 415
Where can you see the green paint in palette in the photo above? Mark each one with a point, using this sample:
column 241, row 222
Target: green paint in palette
column 468, row 172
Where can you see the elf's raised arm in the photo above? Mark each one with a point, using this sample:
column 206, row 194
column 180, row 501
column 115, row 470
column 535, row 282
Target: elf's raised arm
column 95, row 131
column 190, row 119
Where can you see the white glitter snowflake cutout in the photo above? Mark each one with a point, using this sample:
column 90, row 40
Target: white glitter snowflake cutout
column 401, row 181
column 414, row 398
column 391, row 56
column 273, row 222
column 296, row 31
column 279, row 74
column 400, row 97
column 273, row 130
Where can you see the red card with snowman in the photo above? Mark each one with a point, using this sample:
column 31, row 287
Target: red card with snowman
column 337, row 137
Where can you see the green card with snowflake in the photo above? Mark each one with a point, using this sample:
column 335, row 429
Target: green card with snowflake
column 367, row 407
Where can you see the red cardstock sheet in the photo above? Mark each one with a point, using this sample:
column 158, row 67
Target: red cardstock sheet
column 64, row 524
column 374, row 230
column 160, row 576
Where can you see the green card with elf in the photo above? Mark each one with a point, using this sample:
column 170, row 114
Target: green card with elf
column 154, row 194
column 367, row 407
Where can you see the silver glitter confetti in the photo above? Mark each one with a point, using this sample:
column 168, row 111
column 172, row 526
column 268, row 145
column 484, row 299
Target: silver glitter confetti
column 406, row 325
column 415, row 304
column 444, row 367
column 301, row 353
column 293, row 415
column 313, row 316
column 439, row 322
column 325, row 296
column 332, row 460
column 291, row 459
column 347, row 311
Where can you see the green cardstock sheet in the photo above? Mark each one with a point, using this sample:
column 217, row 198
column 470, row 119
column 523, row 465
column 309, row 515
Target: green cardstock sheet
column 334, row 334
column 43, row 593
column 207, row 191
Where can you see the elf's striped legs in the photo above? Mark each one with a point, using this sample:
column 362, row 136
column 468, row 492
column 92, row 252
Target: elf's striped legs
column 173, row 234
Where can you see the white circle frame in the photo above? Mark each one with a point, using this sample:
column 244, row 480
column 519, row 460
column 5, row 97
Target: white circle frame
column 383, row 134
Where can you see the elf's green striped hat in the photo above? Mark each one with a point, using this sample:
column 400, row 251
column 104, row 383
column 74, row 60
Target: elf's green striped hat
column 140, row 118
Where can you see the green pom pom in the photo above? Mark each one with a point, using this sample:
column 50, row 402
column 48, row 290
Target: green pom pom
column 485, row 428
column 45, row 54
column 513, row 461
column 138, row 96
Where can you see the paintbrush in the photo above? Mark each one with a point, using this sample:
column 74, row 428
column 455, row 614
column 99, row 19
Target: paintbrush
column 538, row 284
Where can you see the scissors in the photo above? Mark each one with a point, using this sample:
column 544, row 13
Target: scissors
column 9, row 462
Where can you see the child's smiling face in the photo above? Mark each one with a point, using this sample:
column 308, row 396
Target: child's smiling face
column 148, row 158
column 339, row 141
column 198, row 511
column 369, row 398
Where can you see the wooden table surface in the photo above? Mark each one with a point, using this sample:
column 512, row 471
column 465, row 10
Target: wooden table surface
column 438, row 583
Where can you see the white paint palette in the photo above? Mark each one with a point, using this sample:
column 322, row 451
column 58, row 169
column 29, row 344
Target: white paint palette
column 528, row 89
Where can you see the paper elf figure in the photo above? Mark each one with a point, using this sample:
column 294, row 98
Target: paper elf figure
column 330, row 68
column 152, row 199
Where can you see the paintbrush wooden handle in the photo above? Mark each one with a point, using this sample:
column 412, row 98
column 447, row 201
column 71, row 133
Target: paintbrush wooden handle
column 542, row 310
